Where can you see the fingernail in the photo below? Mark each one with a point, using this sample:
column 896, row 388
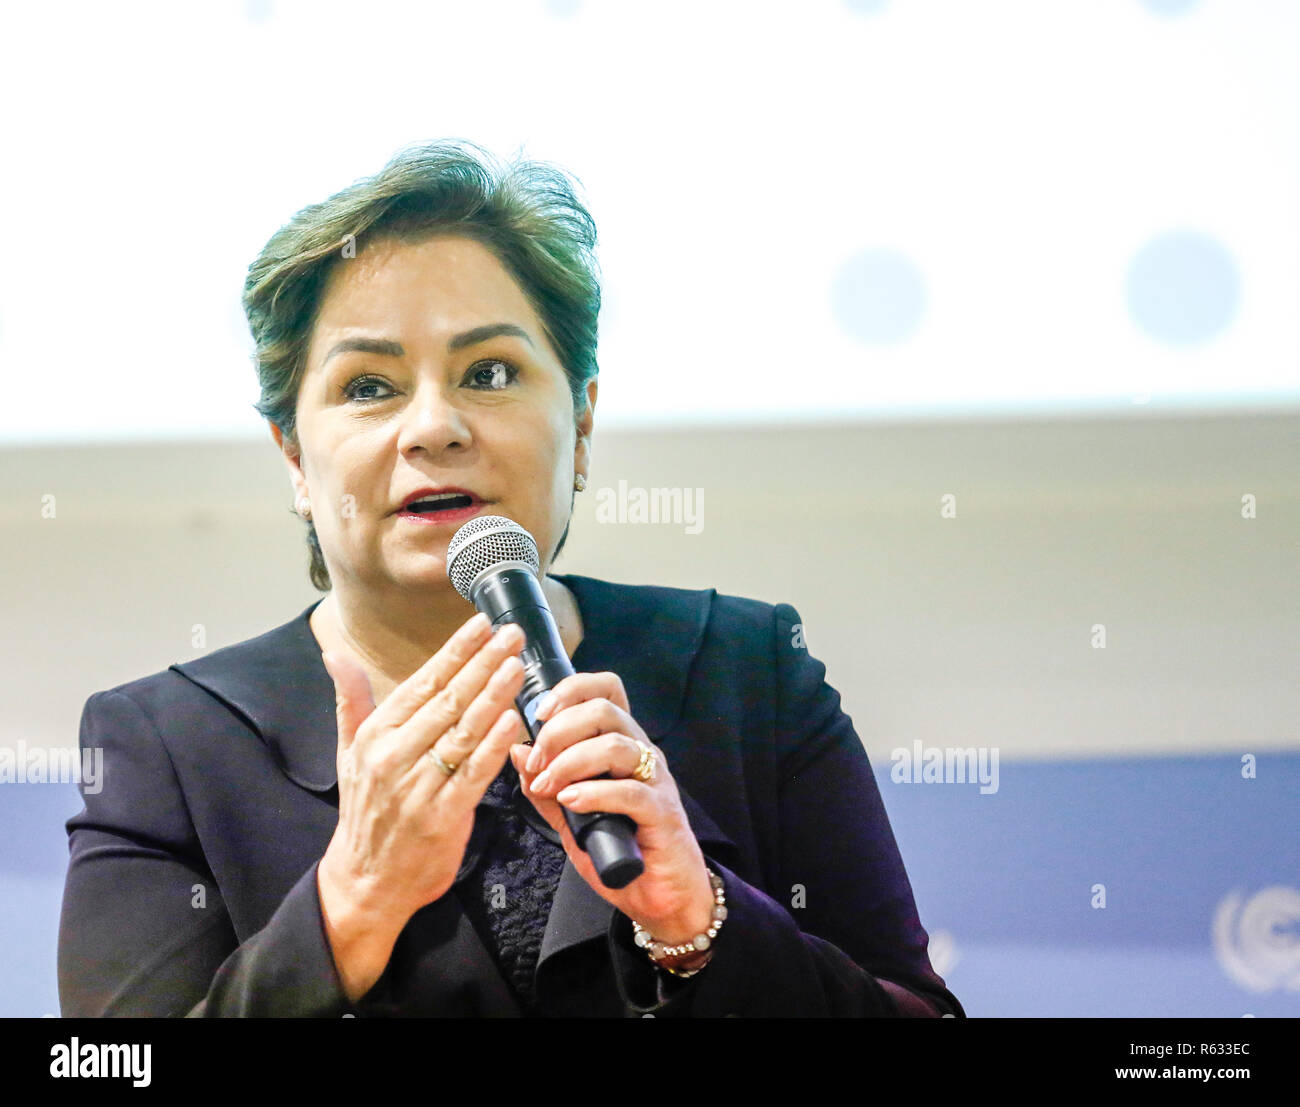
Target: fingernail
column 534, row 760
column 508, row 668
column 568, row 795
column 541, row 783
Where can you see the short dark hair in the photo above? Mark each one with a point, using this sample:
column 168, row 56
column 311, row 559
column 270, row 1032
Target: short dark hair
column 527, row 213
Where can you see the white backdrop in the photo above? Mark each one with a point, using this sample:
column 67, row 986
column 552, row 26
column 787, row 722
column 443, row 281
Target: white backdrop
column 819, row 209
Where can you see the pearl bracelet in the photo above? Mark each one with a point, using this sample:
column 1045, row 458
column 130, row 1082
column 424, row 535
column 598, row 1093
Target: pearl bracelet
column 658, row 951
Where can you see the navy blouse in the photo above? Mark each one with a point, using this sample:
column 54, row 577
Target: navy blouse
column 507, row 884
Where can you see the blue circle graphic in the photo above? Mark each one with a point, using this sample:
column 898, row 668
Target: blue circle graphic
column 878, row 296
column 1183, row 288
column 1169, row 7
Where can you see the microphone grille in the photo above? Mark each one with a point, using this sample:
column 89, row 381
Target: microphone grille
column 484, row 541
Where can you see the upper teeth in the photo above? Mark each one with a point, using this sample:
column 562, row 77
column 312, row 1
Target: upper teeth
column 437, row 498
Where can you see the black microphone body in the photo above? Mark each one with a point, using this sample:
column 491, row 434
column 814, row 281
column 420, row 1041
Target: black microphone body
column 511, row 593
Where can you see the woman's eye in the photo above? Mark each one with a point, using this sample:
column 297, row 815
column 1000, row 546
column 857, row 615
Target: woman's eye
column 353, row 389
column 488, row 376
column 492, row 375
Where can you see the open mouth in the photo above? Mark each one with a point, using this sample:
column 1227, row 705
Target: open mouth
column 451, row 501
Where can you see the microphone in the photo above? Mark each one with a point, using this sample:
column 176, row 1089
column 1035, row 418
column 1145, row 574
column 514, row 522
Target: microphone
column 492, row 561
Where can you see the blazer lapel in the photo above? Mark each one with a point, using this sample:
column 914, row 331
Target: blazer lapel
column 279, row 684
column 648, row 636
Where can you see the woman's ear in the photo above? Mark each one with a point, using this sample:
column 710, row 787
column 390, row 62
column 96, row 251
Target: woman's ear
column 292, row 455
column 582, row 437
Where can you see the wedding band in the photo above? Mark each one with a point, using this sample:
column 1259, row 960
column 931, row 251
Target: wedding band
column 645, row 770
column 448, row 769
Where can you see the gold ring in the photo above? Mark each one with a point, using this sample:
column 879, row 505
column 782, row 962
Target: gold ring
column 645, row 770
column 448, row 769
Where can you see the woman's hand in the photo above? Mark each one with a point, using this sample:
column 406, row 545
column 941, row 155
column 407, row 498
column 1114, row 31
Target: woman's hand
column 403, row 822
column 589, row 731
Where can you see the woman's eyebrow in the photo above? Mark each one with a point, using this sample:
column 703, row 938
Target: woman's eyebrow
column 384, row 346
column 482, row 334
column 389, row 348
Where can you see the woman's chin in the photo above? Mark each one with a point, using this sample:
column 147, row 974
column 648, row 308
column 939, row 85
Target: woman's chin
column 413, row 572
column 429, row 577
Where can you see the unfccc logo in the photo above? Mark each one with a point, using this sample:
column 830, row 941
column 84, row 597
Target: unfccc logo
column 1257, row 939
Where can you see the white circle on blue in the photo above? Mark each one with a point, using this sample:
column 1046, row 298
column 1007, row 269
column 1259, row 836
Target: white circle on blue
column 878, row 297
column 1183, row 288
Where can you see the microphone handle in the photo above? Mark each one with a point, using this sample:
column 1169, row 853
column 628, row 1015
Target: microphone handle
column 513, row 595
column 608, row 839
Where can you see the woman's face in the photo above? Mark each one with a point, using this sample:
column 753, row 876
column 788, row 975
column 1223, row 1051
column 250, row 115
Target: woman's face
column 428, row 368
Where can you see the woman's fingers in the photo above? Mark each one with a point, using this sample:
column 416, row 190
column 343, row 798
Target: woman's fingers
column 616, row 754
column 354, row 700
column 446, row 709
column 481, row 767
column 455, row 744
column 474, row 772
column 578, row 687
column 546, row 807
column 431, row 677
column 576, row 724
column 497, row 695
column 651, row 807
column 644, row 806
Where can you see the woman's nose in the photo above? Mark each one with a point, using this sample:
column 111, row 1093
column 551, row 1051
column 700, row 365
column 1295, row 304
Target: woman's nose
column 434, row 422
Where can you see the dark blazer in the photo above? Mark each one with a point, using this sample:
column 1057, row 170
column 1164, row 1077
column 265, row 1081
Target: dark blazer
column 191, row 887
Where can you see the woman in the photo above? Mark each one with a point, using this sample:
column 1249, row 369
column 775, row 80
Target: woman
column 427, row 337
